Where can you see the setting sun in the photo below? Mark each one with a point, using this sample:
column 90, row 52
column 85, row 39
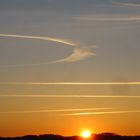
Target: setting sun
column 86, row 134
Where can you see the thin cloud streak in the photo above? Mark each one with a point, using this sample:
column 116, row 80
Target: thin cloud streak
column 103, row 113
column 69, row 83
column 128, row 4
column 58, row 40
column 80, row 52
column 108, row 18
column 54, row 110
column 68, row 96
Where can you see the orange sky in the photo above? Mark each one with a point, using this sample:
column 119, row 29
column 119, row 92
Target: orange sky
column 69, row 65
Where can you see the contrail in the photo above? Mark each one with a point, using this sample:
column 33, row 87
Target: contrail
column 69, row 83
column 128, row 4
column 54, row 110
column 79, row 52
column 108, row 18
column 58, row 40
column 103, row 113
column 68, row 96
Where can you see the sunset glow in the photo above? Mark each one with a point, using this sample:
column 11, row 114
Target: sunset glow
column 86, row 134
column 69, row 68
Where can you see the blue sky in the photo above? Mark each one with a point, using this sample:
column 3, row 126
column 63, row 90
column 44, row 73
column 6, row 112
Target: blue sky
column 86, row 22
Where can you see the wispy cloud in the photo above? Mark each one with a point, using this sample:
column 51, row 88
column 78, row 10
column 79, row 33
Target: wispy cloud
column 54, row 110
column 128, row 4
column 68, row 96
column 80, row 51
column 78, row 54
column 107, row 18
column 103, row 113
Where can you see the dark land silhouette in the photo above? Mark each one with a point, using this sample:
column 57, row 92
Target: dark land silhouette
column 102, row 136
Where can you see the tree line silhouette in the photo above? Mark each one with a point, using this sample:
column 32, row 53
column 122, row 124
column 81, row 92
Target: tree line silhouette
column 102, row 136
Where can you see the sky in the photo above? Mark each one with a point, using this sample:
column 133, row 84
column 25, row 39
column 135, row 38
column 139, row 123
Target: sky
column 69, row 65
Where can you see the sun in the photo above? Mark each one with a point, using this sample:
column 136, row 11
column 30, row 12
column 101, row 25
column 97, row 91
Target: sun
column 86, row 134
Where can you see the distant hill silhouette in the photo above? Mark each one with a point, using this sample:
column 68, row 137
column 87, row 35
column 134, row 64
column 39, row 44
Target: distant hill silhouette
column 103, row 136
